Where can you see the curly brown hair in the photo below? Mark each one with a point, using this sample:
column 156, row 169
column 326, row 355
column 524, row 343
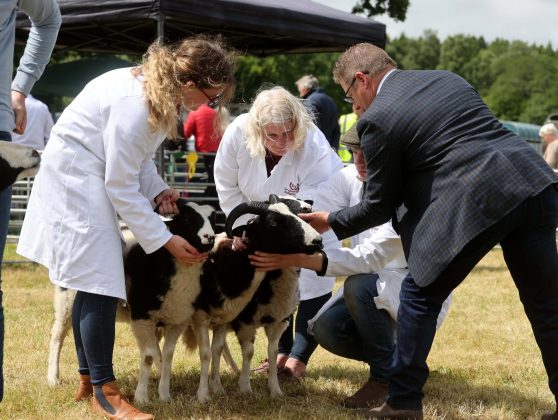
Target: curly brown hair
column 205, row 60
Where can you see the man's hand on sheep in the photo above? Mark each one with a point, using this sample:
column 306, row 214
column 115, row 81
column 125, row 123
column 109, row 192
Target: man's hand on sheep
column 181, row 249
column 317, row 219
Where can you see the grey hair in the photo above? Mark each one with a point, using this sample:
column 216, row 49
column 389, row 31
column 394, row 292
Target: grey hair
column 307, row 81
column 548, row 129
column 362, row 57
column 275, row 105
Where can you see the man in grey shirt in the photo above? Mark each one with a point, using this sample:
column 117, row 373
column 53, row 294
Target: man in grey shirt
column 45, row 18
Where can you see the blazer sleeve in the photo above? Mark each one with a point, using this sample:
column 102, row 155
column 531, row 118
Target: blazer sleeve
column 383, row 183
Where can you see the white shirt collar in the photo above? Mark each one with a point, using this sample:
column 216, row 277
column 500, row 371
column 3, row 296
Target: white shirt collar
column 383, row 79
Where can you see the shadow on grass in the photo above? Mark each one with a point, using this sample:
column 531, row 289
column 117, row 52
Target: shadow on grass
column 449, row 395
column 455, row 397
column 317, row 396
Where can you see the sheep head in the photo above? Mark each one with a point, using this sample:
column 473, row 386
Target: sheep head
column 275, row 229
column 16, row 162
column 193, row 224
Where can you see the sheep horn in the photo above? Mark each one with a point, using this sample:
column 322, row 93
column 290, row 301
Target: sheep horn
column 253, row 207
column 273, row 198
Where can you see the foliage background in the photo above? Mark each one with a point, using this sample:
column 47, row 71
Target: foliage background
column 518, row 81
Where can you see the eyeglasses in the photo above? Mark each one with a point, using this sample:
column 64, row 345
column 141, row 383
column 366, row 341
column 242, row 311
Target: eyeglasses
column 347, row 98
column 211, row 101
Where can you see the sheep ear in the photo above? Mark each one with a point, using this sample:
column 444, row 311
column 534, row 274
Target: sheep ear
column 273, row 198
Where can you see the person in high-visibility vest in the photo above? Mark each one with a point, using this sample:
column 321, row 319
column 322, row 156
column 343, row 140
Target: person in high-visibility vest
column 346, row 121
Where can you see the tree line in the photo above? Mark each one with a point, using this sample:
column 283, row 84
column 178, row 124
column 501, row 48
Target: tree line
column 518, row 81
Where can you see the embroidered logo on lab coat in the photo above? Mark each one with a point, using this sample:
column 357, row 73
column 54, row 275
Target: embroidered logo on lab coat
column 292, row 189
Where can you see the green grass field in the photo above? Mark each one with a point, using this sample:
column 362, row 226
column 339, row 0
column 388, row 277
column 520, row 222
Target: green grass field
column 484, row 363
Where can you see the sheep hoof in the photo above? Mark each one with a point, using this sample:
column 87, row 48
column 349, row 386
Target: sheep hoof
column 165, row 398
column 277, row 394
column 217, row 388
column 246, row 389
column 53, row 382
column 203, row 399
column 141, row 397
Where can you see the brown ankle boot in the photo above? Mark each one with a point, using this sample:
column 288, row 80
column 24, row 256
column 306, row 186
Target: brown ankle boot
column 108, row 401
column 371, row 394
column 85, row 389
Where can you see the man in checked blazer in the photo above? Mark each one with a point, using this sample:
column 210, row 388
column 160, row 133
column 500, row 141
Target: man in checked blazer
column 467, row 183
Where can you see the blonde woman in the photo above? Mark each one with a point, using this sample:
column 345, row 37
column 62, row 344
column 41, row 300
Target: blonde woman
column 276, row 149
column 99, row 163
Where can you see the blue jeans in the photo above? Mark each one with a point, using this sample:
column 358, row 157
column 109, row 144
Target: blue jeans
column 5, row 204
column 527, row 236
column 304, row 344
column 354, row 328
column 93, row 318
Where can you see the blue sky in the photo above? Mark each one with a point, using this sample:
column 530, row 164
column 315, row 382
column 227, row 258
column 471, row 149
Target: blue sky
column 532, row 21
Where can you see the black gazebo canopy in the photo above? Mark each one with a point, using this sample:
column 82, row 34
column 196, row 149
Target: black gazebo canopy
column 258, row 27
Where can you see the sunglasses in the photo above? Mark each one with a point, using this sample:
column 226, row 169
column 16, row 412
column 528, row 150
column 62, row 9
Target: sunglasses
column 212, row 101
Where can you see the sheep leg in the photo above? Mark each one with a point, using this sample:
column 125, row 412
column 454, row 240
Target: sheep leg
column 273, row 332
column 246, row 336
column 202, row 333
column 217, row 346
column 171, row 337
column 63, row 304
column 146, row 337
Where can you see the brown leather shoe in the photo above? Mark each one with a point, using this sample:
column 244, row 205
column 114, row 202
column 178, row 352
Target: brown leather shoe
column 288, row 375
column 371, row 394
column 108, row 401
column 385, row 412
column 85, row 389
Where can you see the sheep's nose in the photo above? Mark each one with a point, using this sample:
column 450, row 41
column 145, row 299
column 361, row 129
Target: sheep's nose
column 35, row 154
column 317, row 242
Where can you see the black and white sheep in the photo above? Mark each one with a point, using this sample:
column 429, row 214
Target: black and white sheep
column 156, row 286
column 276, row 297
column 162, row 292
column 16, row 162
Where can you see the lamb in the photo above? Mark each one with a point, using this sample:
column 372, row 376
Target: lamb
column 274, row 229
column 16, row 162
column 275, row 299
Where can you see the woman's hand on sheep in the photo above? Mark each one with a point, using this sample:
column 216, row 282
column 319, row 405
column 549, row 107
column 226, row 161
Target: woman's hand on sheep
column 181, row 249
column 317, row 219
column 264, row 261
column 166, row 201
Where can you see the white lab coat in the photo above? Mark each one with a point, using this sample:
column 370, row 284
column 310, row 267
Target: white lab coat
column 376, row 250
column 97, row 163
column 240, row 178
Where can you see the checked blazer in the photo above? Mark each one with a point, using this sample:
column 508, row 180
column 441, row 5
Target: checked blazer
column 432, row 144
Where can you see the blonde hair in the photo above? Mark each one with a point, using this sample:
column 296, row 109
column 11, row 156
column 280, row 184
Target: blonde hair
column 275, row 105
column 362, row 57
column 204, row 60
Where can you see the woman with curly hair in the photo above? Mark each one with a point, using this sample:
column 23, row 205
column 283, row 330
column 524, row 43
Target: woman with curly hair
column 98, row 165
